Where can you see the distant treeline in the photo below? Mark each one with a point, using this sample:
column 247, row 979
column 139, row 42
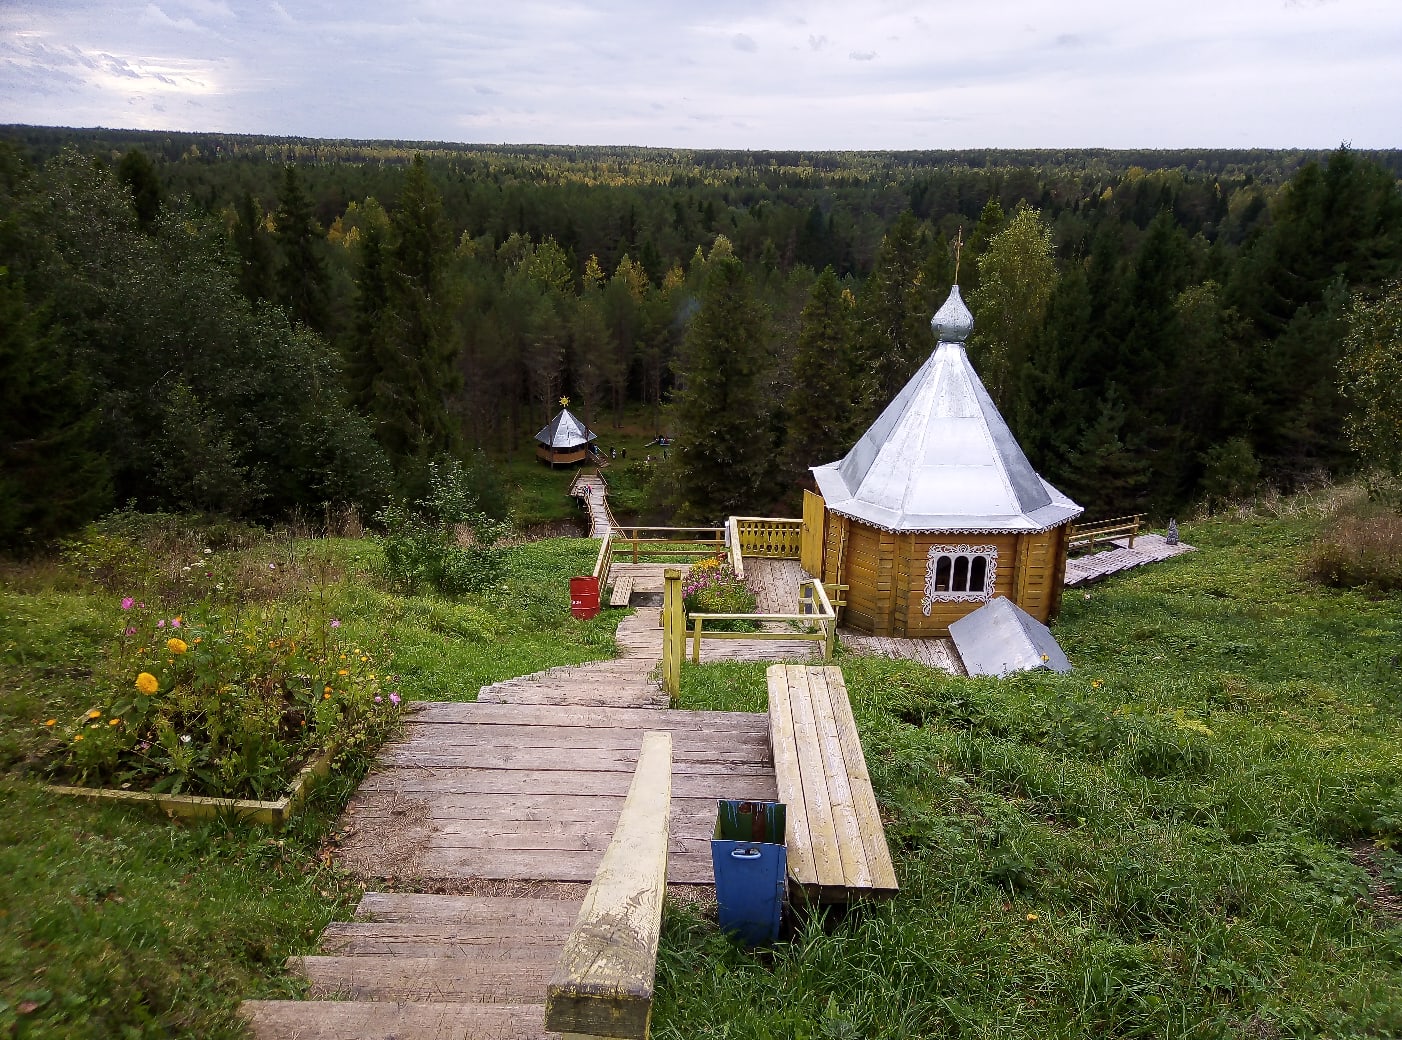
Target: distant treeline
column 323, row 318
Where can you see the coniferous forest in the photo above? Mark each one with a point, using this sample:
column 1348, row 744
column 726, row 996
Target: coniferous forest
column 251, row 326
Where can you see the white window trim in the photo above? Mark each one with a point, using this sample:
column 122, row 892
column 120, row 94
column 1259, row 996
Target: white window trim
column 988, row 552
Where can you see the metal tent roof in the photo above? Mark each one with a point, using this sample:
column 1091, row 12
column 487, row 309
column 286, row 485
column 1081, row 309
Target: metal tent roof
column 1000, row 637
column 565, row 431
column 940, row 457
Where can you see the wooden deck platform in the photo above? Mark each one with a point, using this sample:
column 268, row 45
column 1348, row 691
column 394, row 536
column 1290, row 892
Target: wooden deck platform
column 1148, row 548
column 593, row 491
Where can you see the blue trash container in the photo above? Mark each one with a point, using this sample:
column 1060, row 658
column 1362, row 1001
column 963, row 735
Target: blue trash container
column 751, row 864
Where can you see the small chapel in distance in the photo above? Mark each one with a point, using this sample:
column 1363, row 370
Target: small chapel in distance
column 936, row 510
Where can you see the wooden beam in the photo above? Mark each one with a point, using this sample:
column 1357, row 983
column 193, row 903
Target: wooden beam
column 603, row 984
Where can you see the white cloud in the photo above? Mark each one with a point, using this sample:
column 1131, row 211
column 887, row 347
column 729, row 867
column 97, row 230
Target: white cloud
column 902, row 75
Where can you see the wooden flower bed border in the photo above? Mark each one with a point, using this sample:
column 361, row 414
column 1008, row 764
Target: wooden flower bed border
column 271, row 813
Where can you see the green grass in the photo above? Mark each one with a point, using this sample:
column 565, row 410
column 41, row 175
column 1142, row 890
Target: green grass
column 1165, row 843
column 1185, row 814
column 120, row 923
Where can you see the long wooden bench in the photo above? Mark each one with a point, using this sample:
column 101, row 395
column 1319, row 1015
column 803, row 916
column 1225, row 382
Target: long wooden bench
column 837, row 846
column 603, row 984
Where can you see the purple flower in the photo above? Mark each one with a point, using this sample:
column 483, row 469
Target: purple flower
column 128, row 602
column 378, row 698
column 131, row 631
column 175, row 622
column 394, row 698
column 161, row 623
column 335, row 622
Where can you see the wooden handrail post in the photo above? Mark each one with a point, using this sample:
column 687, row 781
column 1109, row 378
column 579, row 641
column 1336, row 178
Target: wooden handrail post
column 673, row 631
column 696, row 640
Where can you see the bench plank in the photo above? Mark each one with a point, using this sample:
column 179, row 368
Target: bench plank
column 883, row 874
column 822, row 834
column 855, row 871
column 789, row 781
column 603, row 984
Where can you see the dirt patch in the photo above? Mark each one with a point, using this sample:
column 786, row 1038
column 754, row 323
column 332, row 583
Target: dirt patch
column 387, row 845
column 1382, row 880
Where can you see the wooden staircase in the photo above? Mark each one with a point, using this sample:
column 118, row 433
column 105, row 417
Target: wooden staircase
column 623, row 682
column 432, row 967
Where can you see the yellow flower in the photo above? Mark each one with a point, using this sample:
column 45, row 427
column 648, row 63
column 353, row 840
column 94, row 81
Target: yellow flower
column 94, row 714
column 327, row 695
column 77, row 737
column 326, row 689
column 344, row 671
column 1032, row 917
column 115, row 722
column 147, row 683
column 51, row 722
column 177, row 646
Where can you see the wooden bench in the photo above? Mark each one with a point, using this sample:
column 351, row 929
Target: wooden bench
column 603, row 984
column 622, row 591
column 837, row 846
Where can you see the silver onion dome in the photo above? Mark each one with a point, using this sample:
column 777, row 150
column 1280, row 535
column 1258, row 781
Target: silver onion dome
column 953, row 322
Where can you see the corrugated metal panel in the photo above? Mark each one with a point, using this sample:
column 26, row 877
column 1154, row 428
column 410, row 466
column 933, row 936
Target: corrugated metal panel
column 1000, row 637
column 940, row 457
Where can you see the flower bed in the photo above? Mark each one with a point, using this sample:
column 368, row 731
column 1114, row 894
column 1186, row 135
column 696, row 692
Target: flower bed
column 712, row 587
column 228, row 701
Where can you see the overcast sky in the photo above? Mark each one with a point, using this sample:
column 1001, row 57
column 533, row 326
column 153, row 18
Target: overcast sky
column 727, row 74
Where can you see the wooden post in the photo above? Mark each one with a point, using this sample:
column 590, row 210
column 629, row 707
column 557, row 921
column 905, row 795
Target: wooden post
column 696, row 640
column 673, row 631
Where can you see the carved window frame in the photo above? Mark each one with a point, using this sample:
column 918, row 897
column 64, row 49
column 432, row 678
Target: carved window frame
column 952, row 554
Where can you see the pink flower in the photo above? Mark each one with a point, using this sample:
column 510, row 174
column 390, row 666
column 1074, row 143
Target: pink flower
column 335, row 622
column 394, row 698
column 378, row 698
column 175, row 622
column 128, row 602
column 131, row 631
column 161, row 623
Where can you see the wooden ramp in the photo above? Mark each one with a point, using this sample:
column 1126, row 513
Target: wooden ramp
column 1147, row 548
column 837, row 845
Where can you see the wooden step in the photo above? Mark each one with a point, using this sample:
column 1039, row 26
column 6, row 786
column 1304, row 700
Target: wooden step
column 480, row 976
column 372, row 1020
column 480, row 911
column 509, row 941
column 622, row 591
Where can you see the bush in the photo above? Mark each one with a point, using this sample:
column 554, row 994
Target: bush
column 449, row 544
column 712, row 587
column 1361, row 548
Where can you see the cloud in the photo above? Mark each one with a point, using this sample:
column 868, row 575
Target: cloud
column 159, row 17
column 742, row 42
column 816, row 43
column 861, row 55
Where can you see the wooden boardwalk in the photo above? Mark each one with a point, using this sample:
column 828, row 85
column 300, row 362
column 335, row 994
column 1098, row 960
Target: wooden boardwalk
column 591, row 488
column 933, row 653
column 1148, row 548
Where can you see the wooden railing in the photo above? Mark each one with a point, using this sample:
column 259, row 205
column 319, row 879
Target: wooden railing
column 683, row 541
column 775, row 538
column 814, row 609
column 1084, row 536
column 603, row 564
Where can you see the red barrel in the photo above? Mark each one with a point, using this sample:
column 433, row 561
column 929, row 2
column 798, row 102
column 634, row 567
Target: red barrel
column 584, row 597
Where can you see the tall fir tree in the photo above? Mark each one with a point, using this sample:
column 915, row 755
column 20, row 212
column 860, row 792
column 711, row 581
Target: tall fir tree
column 723, row 451
column 893, row 316
column 302, row 276
column 819, row 404
column 257, row 259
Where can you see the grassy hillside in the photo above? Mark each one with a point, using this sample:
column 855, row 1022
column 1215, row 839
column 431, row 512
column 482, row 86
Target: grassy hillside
column 1189, row 836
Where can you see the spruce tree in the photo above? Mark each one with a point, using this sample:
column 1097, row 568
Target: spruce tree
column 819, row 404
column 893, row 315
column 721, row 416
column 301, row 277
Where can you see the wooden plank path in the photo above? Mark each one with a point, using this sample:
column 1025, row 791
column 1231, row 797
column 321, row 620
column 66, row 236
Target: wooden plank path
column 1148, row 548
column 594, row 491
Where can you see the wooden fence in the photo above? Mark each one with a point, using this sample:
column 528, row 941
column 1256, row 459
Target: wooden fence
column 1084, row 536
column 815, row 609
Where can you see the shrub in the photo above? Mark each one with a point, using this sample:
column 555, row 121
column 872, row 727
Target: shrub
column 449, row 543
column 1363, row 547
column 712, row 587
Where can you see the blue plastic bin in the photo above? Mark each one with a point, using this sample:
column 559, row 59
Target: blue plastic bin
column 751, row 864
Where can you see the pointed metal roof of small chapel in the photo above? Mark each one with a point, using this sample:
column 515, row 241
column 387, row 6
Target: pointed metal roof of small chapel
column 941, row 457
column 565, row 431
